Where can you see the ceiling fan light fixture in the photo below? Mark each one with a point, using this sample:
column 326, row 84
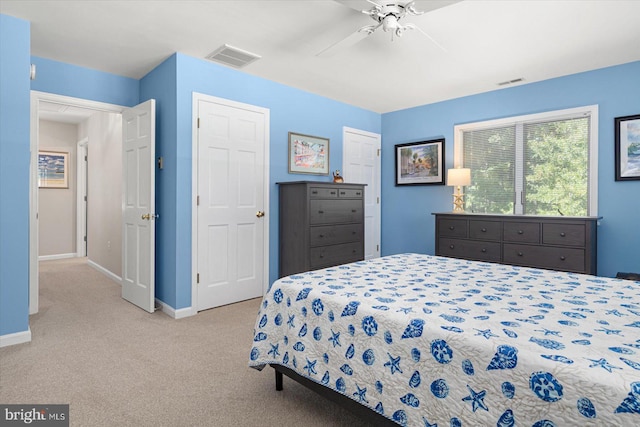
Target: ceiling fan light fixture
column 390, row 23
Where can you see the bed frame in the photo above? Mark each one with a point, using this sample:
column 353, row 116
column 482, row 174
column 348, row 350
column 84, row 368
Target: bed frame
column 361, row 411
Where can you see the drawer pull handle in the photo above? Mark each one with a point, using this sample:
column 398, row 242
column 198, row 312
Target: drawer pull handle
column 562, row 234
column 484, row 230
column 333, row 192
column 484, row 250
column 358, row 193
column 354, row 210
column 451, row 246
column 520, row 254
column 314, row 192
column 562, row 258
column 451, row 227
column 320, row 212
column 354, row 251
column 321, row 256
column 321, row 236
column 520, row 232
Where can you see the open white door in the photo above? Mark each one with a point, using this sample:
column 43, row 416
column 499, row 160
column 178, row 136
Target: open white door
column 138, row 205
column 361, row 164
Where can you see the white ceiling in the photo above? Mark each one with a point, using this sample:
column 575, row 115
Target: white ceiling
column 486, row 42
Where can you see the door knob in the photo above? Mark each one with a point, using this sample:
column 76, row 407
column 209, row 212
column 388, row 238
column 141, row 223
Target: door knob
column 146, row 216
column 260, row 214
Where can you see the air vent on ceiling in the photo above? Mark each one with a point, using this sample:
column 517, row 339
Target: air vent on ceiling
column 232, row 56
column 510, row 82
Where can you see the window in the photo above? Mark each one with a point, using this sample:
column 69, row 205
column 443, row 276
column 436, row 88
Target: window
column 540, row 164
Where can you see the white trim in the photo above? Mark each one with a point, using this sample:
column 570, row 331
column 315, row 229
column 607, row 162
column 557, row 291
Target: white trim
column 196, row 98
column 56, row 256
column 106, row 272
column 36, row 97
column 587, row 110
column 180, row 313
column 15, row 338
column 81, row 192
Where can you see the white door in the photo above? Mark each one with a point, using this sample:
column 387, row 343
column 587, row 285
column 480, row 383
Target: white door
column 231, row 202
column 138, row 205
column 361, row 164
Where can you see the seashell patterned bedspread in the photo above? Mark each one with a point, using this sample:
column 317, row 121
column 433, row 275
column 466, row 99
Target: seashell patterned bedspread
column 434, row 341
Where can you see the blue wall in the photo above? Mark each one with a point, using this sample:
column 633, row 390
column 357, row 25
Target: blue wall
column 15, row 43
column 290, row 110
column 407, row 223
column 79, row 82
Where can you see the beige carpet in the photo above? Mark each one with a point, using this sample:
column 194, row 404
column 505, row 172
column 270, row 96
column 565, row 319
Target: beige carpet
column 117, row 365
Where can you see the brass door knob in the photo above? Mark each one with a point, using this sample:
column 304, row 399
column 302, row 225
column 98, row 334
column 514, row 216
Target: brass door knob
column 260, row 214
column 146, row 216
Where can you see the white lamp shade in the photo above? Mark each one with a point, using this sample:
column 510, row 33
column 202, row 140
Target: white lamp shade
column 459, row 176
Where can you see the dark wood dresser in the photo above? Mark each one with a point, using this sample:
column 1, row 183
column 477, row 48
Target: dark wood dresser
column 321, row 225
column 550, row 242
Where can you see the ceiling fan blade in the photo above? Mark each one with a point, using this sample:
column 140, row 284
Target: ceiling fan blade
column 358, row 5
column 345, row 43
column 415, row 27
column 420, row 5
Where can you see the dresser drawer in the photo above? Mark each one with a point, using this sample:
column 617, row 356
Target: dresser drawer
column 523, row 232
column 452, row 227
column 469, row 249
column 564, row 234
column 485, row 230
column 335, row 211
column 323, row 193
column 325, row 256
column 352, row 193
column 333, row 234
column 567, row 259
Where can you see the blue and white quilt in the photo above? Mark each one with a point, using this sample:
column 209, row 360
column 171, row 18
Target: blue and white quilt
column 433, row 341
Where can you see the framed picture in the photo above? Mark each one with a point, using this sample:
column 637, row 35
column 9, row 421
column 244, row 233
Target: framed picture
column 53, row 169
column 308, row 154
column 627, row 148
column 420, row 163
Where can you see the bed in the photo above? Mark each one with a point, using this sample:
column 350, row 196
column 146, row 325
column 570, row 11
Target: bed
column 420, row 340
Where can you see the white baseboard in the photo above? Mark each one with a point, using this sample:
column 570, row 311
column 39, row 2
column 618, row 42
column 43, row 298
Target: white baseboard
column 56, row 256
column 106, row 272
column 15, row 338
column 172, row 312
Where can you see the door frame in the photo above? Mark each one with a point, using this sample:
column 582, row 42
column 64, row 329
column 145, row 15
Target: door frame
column 197, row 97
column 81, row 192
column 36, row 97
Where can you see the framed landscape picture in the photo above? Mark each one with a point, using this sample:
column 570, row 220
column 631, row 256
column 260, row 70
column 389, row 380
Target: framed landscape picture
column 627, row 134
column 308, row 154
column 53, row 169
column 420, row 163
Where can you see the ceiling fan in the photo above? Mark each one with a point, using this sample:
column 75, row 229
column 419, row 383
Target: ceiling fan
column 387, row 15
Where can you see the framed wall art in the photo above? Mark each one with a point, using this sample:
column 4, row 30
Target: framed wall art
column 420, row 163
column 53, row 169
column 627, row 142
column 308, row 154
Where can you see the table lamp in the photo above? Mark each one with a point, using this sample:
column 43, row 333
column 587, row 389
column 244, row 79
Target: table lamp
column 458, row 177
